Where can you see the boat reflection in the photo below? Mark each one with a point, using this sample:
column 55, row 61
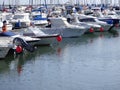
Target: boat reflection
column 17, row 62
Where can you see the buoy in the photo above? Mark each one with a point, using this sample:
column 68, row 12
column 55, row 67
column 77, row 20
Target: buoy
column 101, row 29
column 19, row 69
column 59, row 38
column 116, row 25
column 19, row 49
column 91, row 30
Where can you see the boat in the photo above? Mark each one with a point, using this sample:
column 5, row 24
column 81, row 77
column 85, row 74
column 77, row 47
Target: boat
column 20, row 20
column 39, row 18
column 6, row 17
column 110, row 17
column 93, row 20
column 19, row 40
column 46, row 39
column 75, row 21
column 5, row 46
column 59, row 25
column 9, row 26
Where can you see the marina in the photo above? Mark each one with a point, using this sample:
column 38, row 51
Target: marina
column 60, row 45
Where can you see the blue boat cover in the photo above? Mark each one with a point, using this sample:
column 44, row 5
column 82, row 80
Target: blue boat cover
column 109, row 21
column 8, row 34
column 18, row 24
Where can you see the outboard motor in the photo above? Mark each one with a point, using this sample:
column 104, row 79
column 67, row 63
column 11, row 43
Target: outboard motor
column 20, row 42
column 17, row 25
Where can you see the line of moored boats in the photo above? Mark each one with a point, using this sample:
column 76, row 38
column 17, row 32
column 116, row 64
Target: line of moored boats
column 27, row 26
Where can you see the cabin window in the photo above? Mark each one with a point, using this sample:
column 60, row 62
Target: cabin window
column 18, row 17
column 111, row 14
column 118, row 13
column 87, row 20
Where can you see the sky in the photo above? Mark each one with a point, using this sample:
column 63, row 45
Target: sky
column 27, row 1
column 19, row 2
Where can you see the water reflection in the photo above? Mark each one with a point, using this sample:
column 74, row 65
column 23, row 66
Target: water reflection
column 90, row 62
column 115, row 33
column 83, row 40
column 16, row 62
column 11, row 60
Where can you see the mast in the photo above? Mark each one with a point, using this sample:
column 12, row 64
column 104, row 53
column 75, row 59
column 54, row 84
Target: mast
column 40, row 2
column 51, row 1
column 71, row 2
column 32, row 2
column 58, row 2
column 119, row 2
column 45, row 4
column 9, row 2
column 29, row 2
column 106, row 2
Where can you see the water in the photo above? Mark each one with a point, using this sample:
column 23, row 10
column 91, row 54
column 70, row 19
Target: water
column 91, row 62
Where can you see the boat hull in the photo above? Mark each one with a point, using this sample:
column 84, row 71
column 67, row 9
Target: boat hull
column 44, row 39
column 4, row 51
column 47, row 41
column 65, row 32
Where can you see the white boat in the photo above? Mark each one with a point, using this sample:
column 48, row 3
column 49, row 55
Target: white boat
column 24, row 41
column 46, row 39
column 22, row 18
column 75, row 21
column 110, row 17
column 5, row 17
column 93, row 20
column 61, row 26
column 5, row 46
column 95, row 26
column 39, row 18
column 9, row 26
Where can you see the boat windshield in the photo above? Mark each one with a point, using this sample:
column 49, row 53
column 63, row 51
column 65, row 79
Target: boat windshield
column 18, row 17
column 111, row 14
column 87, row 20
column 8, row 17
column 118, row 13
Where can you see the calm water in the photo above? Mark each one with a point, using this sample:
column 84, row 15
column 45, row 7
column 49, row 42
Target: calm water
column 91, row 62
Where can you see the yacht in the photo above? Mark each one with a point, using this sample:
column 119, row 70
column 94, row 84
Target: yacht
column 93, row 20
column 25, row 42
column 46, row 39
column 21, row 20
column 59, row 25
column 39, row 18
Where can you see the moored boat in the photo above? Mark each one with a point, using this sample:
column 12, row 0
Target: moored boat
column 60, row 26
column 46, row 39
column 5, row 46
